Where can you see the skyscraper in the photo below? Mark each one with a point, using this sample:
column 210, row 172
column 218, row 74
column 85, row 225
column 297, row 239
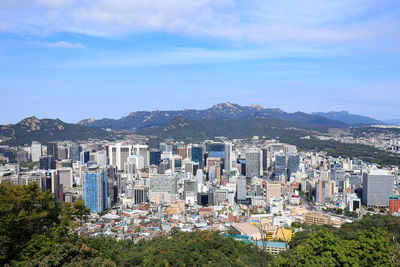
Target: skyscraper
column 228, row 157
column 217, row 150
column 52, row 150
column 197, row 155
column 293, row 164
column 47, row 163
column 241, row 192
column 280, row 165
column 155, row 157
column 85, row 157
column 95, row 189
column 320, row 191
column 377, row 188
column 253, row 166
column 264, row 160
column 36, row 151
column 74, row 152
column 154, row 142
column 118, row 155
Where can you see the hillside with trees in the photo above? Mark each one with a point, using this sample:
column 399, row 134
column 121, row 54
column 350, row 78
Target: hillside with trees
column 35, row 230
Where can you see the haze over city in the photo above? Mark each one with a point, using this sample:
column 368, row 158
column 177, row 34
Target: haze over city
column 75, row 59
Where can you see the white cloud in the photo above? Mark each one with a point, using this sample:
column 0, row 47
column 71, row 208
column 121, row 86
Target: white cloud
column 62, row 44
column 181, row 56
column 239, row 20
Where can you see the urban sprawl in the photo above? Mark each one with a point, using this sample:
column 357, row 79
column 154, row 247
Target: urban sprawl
column 253, row 190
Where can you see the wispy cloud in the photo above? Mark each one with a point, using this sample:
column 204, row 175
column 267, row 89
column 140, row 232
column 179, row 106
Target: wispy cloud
column 181, row 56
column 251, row 20
column 61, row 44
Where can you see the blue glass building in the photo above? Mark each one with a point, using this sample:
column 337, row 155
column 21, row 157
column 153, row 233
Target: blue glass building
column 95, row 190
column 155, row 157
column 293, row 164
column 217, row 150
column 197, row 156
column 280, row 165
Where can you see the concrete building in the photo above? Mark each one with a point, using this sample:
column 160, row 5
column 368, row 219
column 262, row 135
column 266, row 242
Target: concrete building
column 36, row 151
column 273, row 190
column 377, row 188
column 253, row 162
column 316, row 218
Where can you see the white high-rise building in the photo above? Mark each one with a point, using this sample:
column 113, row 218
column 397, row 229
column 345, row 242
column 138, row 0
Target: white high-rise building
column 119, row 155
column 142, row 150
column 228, row 157
column 36, row 151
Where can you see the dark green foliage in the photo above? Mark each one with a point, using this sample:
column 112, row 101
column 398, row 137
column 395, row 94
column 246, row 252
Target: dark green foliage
column 31, row 222
column 323, row 248
column 182, row 249
column 37, row 231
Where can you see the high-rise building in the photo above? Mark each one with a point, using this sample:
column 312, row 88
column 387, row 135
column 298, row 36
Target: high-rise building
column 253, row 162
column 216, row 150
column 264, row 160
column 394, row 204
column 95, row 189
column 118, row 155
column 228, row 157
column 142, row 150
column 155, row 157
column 101, row 158
column 197, row 155
column 36, row 151
column 65, row 178
column 293, row 164
column 154, row 142
column 320, row 191
column 47, row 163
column 377, row 188
column 52, row 183
column 85, row 157
column 139, row 194
column 182, row 152
column 52, row 150
column 63, row 153
column 164, row 183
column 74, row 152
column 280, row 165
column 241, row 191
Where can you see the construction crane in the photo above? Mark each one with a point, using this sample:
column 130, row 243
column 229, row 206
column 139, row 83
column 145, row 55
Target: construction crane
column 378, row 205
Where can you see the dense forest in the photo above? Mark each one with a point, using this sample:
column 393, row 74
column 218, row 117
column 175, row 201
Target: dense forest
column 35, row 230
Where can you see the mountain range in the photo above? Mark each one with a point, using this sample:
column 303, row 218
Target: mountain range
column 226, row 119
column 348, row 118
column 45, row 130
column 223, row 111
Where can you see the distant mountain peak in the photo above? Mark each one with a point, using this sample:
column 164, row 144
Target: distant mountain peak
column 349, row 118
column 222, row 111
column 32, row 123
column 225, row 105
column 256, row 106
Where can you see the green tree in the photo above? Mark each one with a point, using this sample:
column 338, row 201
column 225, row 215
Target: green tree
column 32, row 221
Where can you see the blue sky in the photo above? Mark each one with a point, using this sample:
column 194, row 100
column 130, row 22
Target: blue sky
column 73, row 59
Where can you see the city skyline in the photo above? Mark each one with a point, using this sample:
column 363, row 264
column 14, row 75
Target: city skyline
column 73, row 60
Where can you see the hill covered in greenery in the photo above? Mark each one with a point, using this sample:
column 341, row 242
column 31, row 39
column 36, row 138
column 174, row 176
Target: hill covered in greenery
column 35, row 230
